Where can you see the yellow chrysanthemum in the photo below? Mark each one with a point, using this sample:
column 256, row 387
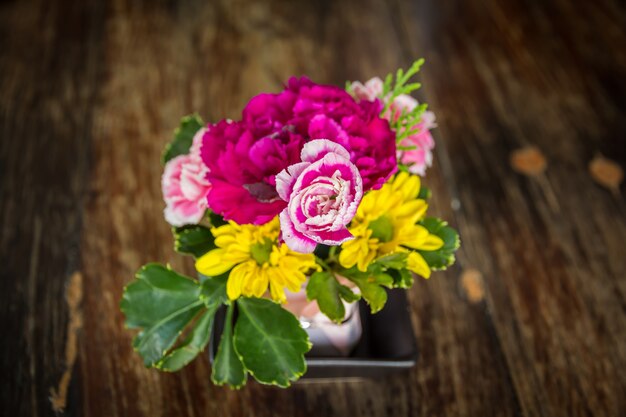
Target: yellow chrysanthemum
column 385, row 224
column 257, row 261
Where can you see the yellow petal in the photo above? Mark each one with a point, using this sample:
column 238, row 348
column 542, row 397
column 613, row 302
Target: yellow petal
column 224, row 230
column 213, row 263
column 224, row 240
column 412, row 210
column 432, row 242
column 259, row 282
column 236, row 281
column 278, row 293
column 349, row 254
column 407, row 185
column 413, row 236
column 416, row 263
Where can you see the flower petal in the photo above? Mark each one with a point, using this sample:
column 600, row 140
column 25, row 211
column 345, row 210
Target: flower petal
column 416, row 263
column 334, row 238
column 316, row 149
column 212, row 263
column 294, row 239
column 287, row 178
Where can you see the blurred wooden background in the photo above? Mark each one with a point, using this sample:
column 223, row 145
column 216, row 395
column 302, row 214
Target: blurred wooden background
column 530, row 322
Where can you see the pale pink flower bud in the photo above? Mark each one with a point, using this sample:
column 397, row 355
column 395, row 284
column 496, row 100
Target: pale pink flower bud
column 185, row 186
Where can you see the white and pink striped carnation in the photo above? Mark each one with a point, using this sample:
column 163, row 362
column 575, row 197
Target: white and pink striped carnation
column 323, row 193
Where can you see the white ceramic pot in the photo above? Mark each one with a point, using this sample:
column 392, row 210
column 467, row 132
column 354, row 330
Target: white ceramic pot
column 329, row 338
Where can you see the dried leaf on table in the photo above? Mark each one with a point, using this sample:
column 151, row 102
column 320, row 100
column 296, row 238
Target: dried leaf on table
column 528, row 161
column 607, row 173
column 472, row 285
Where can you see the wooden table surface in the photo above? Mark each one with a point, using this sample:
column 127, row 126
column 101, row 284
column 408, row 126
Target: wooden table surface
column 531, row 321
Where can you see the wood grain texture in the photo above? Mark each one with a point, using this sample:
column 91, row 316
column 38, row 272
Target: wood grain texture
column 89, row 95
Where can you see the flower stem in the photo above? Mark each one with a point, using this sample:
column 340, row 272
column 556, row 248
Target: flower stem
column 323, row 263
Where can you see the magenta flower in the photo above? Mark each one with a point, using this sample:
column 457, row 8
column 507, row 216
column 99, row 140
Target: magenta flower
column 244, row 157
column 329, row 112
column 243, row 168
column 324, row 192
column 185, row 187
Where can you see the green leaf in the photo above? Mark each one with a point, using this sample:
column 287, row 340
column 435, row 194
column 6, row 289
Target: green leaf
column 213, row 292
column 216, row 220
column 348, row 295
column 402, row 278
column 395, row 260
column 227, row 367
column 194, row 240
column 370, row 283
column 324, row 287
column 372, row 292
column 162, row 303
column 270, row 342
column 213, row 295
column 444, row 256
column 424, row 193
column 384, row 279
column 322, row 251
column 183, row 137
column 195, row 343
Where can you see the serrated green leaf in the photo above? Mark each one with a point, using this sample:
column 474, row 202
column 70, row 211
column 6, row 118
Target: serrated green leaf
column 402, row 278
column 227, row 367
column 163, row 303
column 194, row 240
column 213, row 295
column 195, row 343
column 372, row 292
column 370, row 285
column 384, row 279
column 444, row 256
column 183, row 137
column 270, row 342
column 348, row 295
column 328, row 292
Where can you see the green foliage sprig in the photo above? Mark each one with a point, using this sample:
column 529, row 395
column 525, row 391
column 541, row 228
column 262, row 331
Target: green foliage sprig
column 403, row 122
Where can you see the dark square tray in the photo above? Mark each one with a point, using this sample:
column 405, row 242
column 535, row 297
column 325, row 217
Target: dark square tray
column 387, row 344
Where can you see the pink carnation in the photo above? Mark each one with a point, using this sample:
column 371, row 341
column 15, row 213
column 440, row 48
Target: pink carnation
column 323, row 193
column 419, row 158
column 372, row 89
column 185, row 187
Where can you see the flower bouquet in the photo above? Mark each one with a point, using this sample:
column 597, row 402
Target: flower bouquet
column 315, row 191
